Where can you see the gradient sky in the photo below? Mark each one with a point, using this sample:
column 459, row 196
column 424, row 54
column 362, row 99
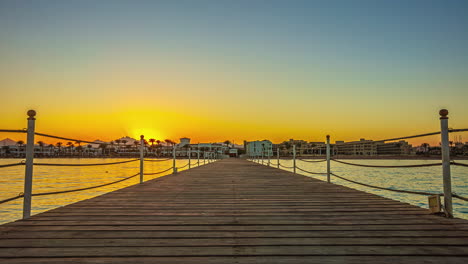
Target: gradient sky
column 217, row 70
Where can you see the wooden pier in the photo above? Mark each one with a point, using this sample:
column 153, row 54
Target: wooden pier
column 235, row 211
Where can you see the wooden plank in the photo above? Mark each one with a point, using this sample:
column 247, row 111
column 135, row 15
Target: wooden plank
column 244, row 242
column 356, row 250
column 243, row 260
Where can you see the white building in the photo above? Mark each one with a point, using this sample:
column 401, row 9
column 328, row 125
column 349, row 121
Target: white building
column 259, row 148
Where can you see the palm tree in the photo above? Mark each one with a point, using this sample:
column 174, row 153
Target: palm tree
column 152, row 140
column 59, row 146
column 70, row 147
column 41, row 144
column 158, row 147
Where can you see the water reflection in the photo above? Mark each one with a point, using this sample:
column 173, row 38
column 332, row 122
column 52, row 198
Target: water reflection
column 48, row 179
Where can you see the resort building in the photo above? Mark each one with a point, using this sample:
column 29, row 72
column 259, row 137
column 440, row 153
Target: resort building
column 259, row 148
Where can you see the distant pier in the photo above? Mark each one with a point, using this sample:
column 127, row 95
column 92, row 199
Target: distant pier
column 236, row 211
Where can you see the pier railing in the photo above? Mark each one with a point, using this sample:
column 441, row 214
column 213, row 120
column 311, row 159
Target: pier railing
column 29, row 164
column 445, row 163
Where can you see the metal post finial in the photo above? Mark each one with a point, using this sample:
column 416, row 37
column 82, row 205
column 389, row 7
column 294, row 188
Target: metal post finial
column 443, row 113
column 31, row 113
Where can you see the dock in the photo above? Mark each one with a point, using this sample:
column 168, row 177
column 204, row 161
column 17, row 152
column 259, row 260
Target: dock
column 235, row 211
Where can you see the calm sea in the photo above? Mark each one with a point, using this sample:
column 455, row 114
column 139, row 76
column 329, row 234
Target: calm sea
column 427, row 179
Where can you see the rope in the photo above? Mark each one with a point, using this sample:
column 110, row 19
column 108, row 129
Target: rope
column 383, row 188
column 459, row 164
column 318, row 173
column 459, row 197
column 13, row 131
column 312, row 160
column 11, row 165
column 424, row 135
column 68, row 191
column 191, row 164
column 183, row 166
column 89, row 164
column 382, row 166
column 396, row 190
column 159, row 172
column 287, row 167
column 12, row 198
column 64, row 138
column 157, row 160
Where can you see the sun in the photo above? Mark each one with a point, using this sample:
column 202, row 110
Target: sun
column 148, row 133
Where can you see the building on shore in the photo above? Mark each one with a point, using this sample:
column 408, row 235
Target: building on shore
column 365, row 147
column 259, row 148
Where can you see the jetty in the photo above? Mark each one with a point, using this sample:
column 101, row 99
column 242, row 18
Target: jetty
column 235, row 211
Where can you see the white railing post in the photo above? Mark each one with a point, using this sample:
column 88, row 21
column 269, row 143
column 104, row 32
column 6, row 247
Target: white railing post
column 198, row 156
column 189, row 158
column 28, row 174
column 142, row 149
column 268, row 156
column 294, row 158
column 174, row 168
column 328, row 158
column 446, row 163
column 263, row 153
column 204, row 157
column 277, row 157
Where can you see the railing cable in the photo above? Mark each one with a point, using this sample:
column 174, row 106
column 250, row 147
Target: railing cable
column 11, row 165
column 312, row 161
column 13, row 130
column 157, row 160
column 159, row 172
column 424, row 135
column 183, row 166
column 85, row 164
column 316, row 173
column 64, row 138
column 396, row 190
column 69, row 191
column 388, row 166
column 399, row 166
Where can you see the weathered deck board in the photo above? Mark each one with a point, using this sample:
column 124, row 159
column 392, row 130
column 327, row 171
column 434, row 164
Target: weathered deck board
column 234, row 211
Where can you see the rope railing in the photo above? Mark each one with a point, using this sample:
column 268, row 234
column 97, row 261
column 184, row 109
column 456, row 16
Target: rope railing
column 13, row 130
column 183, row 166
column 424, row 135
column 11, row 165
column 69, row 191
column 286, row 167
column 159, row 172
column 459, row 164
column 65, row 138
column 158, row 160
column 85, row 164
column 397, row 190
column 312, row 161
column 316, row 173
column 388, row 166
column 398, row 166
